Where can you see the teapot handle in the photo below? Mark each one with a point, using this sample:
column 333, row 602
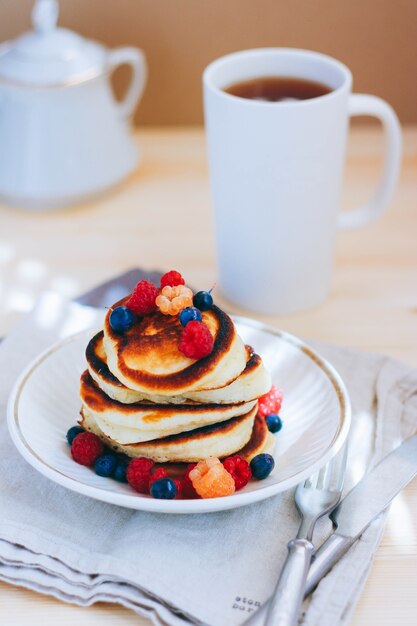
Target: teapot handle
column 136, row 59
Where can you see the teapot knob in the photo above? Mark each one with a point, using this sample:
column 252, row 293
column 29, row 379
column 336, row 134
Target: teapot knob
column 45, row 15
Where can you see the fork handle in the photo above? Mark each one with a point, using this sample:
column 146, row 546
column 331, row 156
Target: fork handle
column 286, row 600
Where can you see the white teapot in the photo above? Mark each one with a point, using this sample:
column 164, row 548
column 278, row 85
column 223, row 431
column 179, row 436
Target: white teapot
column 63, row 136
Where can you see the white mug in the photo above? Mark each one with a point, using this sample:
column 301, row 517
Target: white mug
column 276, row 172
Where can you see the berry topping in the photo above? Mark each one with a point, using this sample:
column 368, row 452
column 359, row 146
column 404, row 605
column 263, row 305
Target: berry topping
column 73, row 432
column 121, row 319
column 188, row 490
column 203, row 300
column 270, row 402
column 239, row 470
column 190, row 314
column 86, row 448
column 138, row 474
column 262, row 465
column 196, row 340
column 173, row 299
column 164, row 489
column 105, row 465
column 172, row 279
column 211, row 480
column 142, row 300
column 160, row 472
column 119, row 473
column 179, row 486
column 274, row 423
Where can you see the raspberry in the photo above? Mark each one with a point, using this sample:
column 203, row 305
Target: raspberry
column 179, row 484
column 138, row 474
column 173, row 299
column 188, row 490
column 172, row 279
column 196, row 340
column 142, row 300
column 160, row 472
column 211, row 480
column 270, row 402
column 239, row 470
column 86, row 448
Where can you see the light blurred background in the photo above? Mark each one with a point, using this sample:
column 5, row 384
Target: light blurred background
column 377, row 39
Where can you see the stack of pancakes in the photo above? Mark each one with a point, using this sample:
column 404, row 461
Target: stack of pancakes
column 143, row 397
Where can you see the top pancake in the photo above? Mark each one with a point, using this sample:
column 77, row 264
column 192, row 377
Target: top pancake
column 252, row 383
column 146, row 357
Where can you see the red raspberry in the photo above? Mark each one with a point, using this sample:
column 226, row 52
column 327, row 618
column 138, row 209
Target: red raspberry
column 86, row 448
column 188, row 490
column 270, row 402
column 180, row 486
column 239, row 469
column 142, row 300
column 172, row 279
column 196, row 340
column 160, row 472
column 138, row 474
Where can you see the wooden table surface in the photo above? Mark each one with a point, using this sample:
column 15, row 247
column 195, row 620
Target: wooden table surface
column 161, row 218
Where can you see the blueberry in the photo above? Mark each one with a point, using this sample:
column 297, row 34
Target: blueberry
column 164, row 489
column 189, row 314
column 274, row 423
column 73, row 432
column 119, row 473
column 203, row 300
column 121, row 319
column 262, row 465
column 105, row 464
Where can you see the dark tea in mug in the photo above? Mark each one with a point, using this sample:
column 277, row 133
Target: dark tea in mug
column 278, row 89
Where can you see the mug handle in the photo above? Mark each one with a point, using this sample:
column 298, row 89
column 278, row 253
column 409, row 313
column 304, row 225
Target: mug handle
column 360, row 104
column 136, row 59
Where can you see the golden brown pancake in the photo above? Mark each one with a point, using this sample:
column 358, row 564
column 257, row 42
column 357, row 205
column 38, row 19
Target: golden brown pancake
column 218, row 440
column 261, row 440
column 147, row 358
column 144, row 421
column 253, row 382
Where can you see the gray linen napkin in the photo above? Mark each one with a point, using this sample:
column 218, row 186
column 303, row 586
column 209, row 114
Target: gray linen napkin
column 213, row 569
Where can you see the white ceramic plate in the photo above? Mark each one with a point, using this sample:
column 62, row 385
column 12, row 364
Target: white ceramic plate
column 316, row 415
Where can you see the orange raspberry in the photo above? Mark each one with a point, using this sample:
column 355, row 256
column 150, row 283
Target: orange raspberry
column 172, row 300
column 210, row 479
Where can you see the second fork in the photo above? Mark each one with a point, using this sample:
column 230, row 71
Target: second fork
column 316, row 497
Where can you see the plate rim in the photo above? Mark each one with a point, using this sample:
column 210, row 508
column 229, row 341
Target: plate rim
column 136, row 501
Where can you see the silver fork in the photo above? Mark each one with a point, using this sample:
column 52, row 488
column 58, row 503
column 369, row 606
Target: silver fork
column 316, row 497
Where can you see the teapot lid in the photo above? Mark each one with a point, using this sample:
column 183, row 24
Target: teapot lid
column 50, row 56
